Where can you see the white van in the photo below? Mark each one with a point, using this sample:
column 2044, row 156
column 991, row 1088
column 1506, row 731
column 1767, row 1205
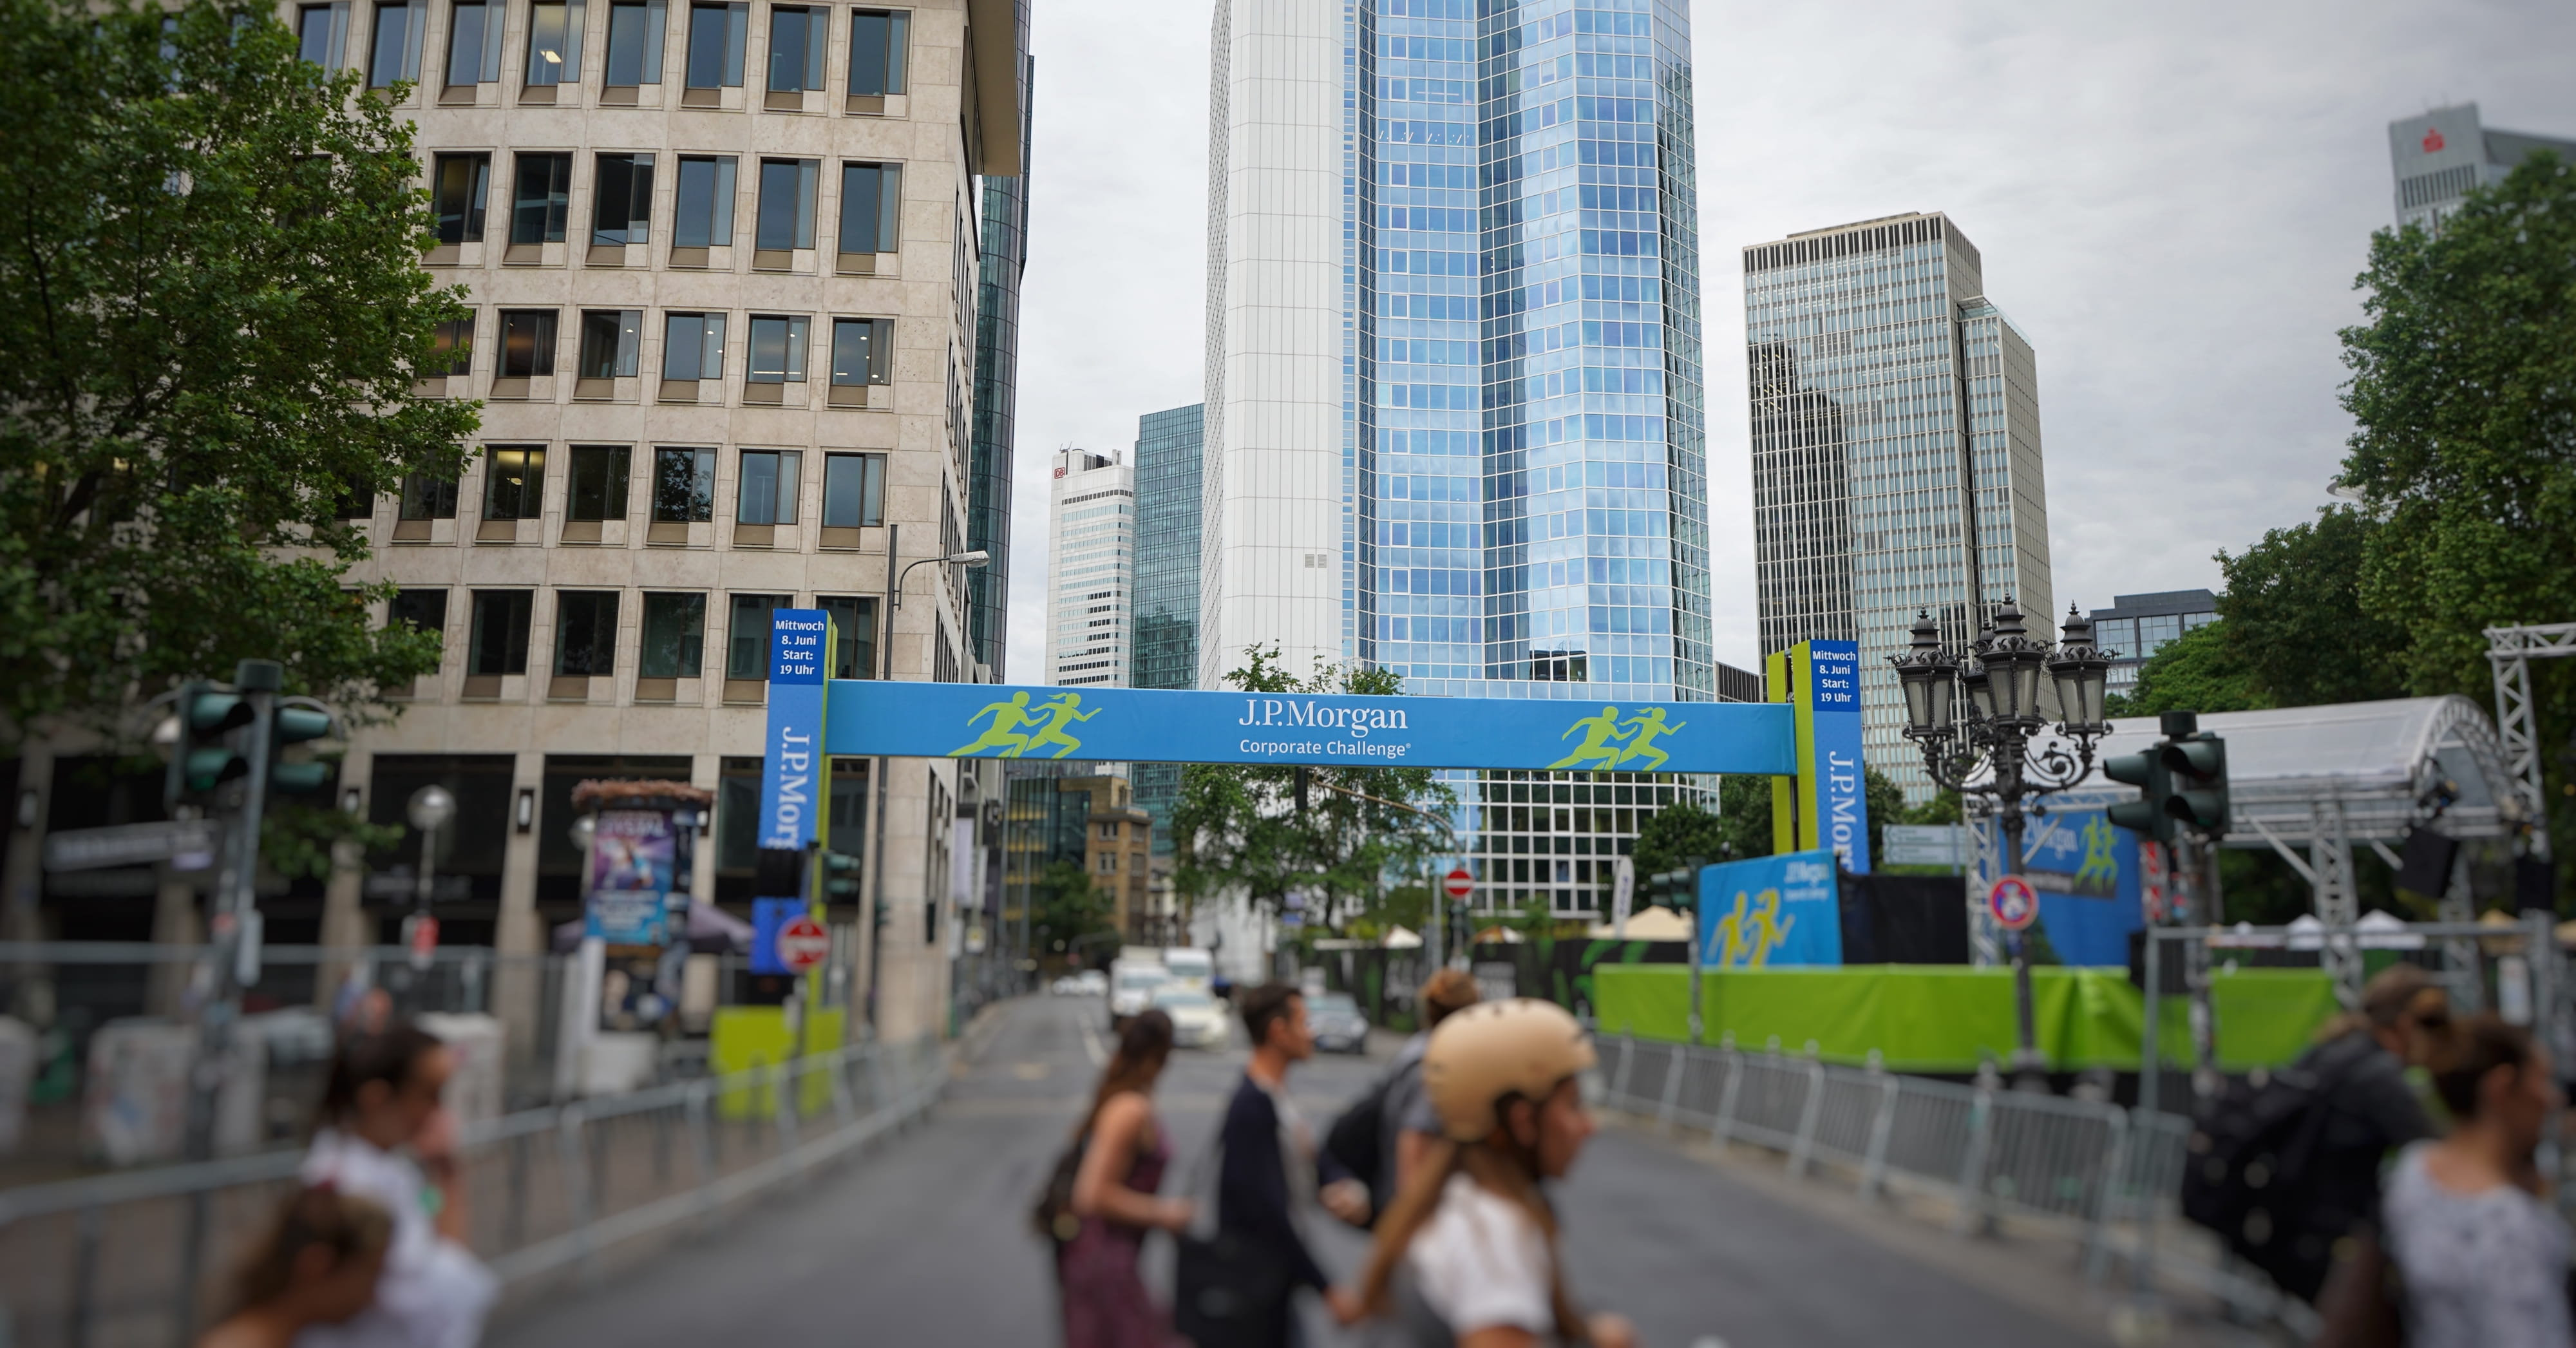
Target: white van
column 1190, row 968
column 1131, row 989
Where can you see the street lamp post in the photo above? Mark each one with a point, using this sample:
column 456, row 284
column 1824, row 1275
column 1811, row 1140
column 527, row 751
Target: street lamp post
column 1987, row 751
column 429, row 810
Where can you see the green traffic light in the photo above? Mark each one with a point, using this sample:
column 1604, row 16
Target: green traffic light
column 215, row 713
column 294, row 725
column 209, row 767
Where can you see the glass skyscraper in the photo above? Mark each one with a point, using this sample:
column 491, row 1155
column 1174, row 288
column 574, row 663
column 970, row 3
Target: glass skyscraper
column 1895, row 417
column 1169, row 485
column 1455, row 424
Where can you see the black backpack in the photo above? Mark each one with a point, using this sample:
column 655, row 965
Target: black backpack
column 2247, row 1167
column 1357, row 1140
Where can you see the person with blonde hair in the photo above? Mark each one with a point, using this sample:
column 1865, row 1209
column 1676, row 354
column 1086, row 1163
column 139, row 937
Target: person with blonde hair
column 1467, row 1255
column 317, row 1265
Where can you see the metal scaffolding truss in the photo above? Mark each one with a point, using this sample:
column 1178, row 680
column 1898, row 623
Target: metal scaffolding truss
column 2510, row 651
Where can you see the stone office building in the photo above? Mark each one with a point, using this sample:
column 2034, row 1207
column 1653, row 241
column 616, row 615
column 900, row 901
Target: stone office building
column 721, row 261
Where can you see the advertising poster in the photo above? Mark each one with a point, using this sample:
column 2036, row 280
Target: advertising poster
column 795, row 779
column 1771, row 913
column 2086, row 871
column 631, row 856
column 1824, row 804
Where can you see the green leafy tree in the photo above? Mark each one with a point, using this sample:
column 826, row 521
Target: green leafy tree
column 1744, row 812
column 2295, row 620
column 2199, row 671
column 1072, row 917
column 1678, row 832
column 216, row 316
column 1239, row 827
column 2464, row 456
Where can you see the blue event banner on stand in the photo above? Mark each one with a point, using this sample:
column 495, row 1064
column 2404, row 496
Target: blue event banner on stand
column 1771, row 912
column 793, row 784
column 1840, row 794
column 968, row 720
column 2086, row 872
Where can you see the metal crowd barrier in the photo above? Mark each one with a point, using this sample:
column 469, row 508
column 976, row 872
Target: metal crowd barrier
column 141, row 1257
column 2108, row 1177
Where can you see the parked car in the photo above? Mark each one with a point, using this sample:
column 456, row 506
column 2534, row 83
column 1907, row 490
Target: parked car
column 1339, row 1026
column 1091, row 983
column 1198, row 1020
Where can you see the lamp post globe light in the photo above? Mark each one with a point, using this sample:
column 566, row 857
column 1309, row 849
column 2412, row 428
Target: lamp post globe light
column 1986, row 755
column 429, row 809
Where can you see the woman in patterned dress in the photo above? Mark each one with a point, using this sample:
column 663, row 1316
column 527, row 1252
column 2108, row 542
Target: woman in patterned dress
column 1124, row 1153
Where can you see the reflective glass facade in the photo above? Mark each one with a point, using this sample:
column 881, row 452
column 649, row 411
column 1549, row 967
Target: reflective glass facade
column 1004, row 233
column 1169, row 482
column 1524, row 431
column 1895, row 418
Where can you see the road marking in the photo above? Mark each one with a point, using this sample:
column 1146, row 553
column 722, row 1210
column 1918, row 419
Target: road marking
column 1091, row 1044
column 1029, row 1071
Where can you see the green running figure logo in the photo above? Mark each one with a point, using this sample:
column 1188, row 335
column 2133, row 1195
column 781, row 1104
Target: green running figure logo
column 1601, row 748
column 1002, row 739
column 2101, row 866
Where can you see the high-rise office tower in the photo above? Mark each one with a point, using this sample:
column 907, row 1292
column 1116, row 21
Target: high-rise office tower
column 1896, row 452
column 2439, row 156
column 1169, row 486
column 1454, row 415
column 1005, row 239
column 752, row 385
column 1091, row 559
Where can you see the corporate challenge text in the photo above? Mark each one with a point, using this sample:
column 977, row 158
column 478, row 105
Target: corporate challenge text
column 1359, row 721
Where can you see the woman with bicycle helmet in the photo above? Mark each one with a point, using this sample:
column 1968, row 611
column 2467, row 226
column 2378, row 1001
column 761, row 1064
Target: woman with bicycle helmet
column 1467, row 1254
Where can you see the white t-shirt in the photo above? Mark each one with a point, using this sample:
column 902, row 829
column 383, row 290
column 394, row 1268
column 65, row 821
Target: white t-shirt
column 1482, row 1261
column 2484, row 1270
column 434, row 1293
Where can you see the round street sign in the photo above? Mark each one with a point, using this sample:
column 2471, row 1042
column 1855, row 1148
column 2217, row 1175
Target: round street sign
column 2013, row 903
column 1459, row 883
column 803, row 943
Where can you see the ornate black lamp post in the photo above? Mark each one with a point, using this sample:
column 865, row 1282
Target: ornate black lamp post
column 1986, row 754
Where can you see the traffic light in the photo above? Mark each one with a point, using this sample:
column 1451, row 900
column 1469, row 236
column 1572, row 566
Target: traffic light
column 2147, row 814
column 295, row 725
column 206, row 754
column 2196, row 769
column 1676, row 889
column 840, row 878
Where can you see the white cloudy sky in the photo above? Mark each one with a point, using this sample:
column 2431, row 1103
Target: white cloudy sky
column 2172, row 201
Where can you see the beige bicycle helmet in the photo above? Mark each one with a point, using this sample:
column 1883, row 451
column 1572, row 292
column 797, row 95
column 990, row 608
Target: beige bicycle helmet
column 1482, row 1053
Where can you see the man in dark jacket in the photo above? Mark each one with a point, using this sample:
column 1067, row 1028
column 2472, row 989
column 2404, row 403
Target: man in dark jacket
column 1240, row 1288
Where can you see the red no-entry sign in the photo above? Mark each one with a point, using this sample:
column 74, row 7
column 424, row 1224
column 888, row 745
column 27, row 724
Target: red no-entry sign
column 803, row 943
column 1459, row 883
column 2013, row 903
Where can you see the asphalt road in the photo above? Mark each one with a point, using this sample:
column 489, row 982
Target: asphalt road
column 925, row 1240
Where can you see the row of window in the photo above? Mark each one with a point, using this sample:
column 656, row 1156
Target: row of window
column 598, row 486
column 712, row 54
column 702, row 206
column 611, row 342
column 671, row 640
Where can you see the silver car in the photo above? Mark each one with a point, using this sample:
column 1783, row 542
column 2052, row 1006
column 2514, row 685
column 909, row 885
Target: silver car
column 1339, row 1027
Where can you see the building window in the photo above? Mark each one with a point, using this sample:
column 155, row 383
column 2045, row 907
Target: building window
column 767, row 492
column 877, row 48
column 610, row 339
column 675, row 628
column 1108, row 863
column 322, row 33
column 747, row 636
column 777, row 350
column 693, row 346
column 703, row 213
column 544, row 194
column 635, row 44
column 853, row 491
column 621, row 197
column 597, row 489
column 796, row 38
column 474, row 43
column 460, row 184
column 427, row 498
column 716, row 34
column 786, row 219
column 420, row 610
column 2118, row 634
column 684, row 485
column 554, row 43
column 862, row 351
column 855, row 620
column 514, row 482
column 871, row 200
column 452, row 349
column 586, row 632
column 395, row 53
column 527, row 343
column 500, row 637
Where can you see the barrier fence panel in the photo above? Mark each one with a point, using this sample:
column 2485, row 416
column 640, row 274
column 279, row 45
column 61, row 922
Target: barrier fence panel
column 546, row 1189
